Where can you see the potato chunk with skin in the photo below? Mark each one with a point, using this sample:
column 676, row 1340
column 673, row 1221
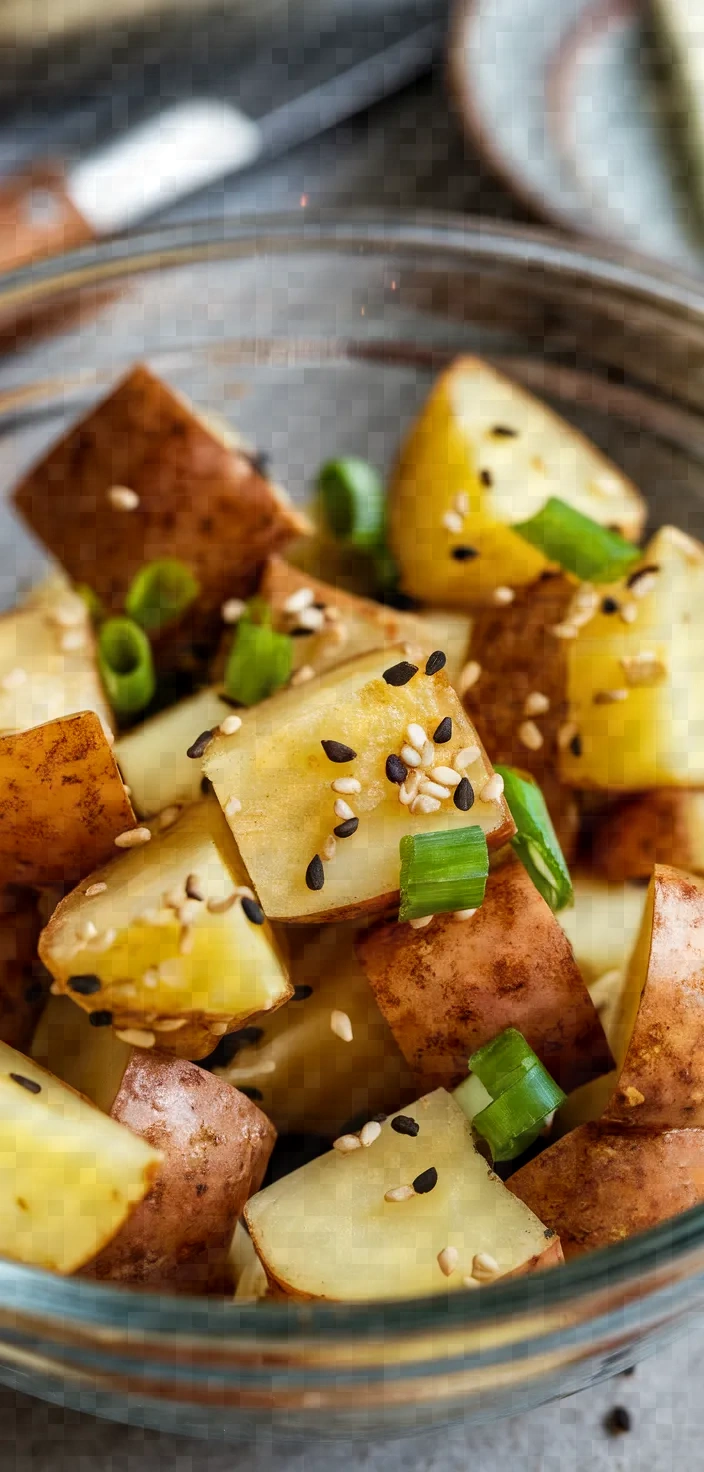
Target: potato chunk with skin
column 48, row 664
column 451, row 987
column 181, row 970
column 153, row 756
column 598, row 1186
column 309, row 1078
column 483, row 454
column 70, row 1177
column 664, row 827
column 200, row 498
column 327, row 1231
column 278, row 773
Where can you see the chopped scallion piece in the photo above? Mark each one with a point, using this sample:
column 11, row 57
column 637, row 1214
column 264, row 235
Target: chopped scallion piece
column 352, row 501
column 513, row 1121
column 160, row 593
column 260, row 662
column 536, row 842
column 126, row 666
column 442, row 871
column 471, row 1096
column 580, row 545
column 499, row 1063
column 257, row 610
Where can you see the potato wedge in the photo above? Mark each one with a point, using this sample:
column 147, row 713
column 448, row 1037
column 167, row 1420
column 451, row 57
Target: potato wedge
column 247, row 1271
column 451, row 987
column 153, row 759
column 91, row 1060
column 602, row 926
column 48, row 663
column 308, row 1079
column 174, row 968
column 215, row 1145
column 63, row 802
column 70, row 1177
column 201, row 499
column 482, row 454
column 326, row 1230
column 600, row 1185
column 636, row 833
column 277, row 769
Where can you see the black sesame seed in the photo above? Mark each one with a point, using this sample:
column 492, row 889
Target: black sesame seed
column 253, row 911
column 346, row 829
column 315, row 873
column 100, row 1019
column 464, row 554
column 631, row 1370
column 396, row 770
column 206, row 786
column 617, row 1421
column 642, row 572
column 463, row 796
column 609, row 605
column 401, row 673
column 443, row 732
column 255, row 1095
column 336, row 751
column 260, row 461
column 404, row 1125
column 27, row 1083
column 503, row 432
column 86, row 986
column 436, row 661
column 299, row 633
column 486, row 477
column 378, row 1119
column 302, row 993
column 200, row 745
column 576, row 745
column 426, row 1181
column 34, row 992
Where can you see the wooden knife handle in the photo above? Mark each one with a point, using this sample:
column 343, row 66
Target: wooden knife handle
column 37, row 217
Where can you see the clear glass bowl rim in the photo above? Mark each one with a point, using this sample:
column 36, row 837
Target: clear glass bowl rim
column 77, row 1304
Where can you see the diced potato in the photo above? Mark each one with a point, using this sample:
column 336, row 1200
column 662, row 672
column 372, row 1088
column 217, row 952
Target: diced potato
column 70, row 1177
column 326, row 1230
column 48, row 664
column 248, row 1273
column 483, row 454
column 636, row 833
column 153, row 758
column 307, row 1078
column 200, row 498
column 602, row 925
column 451, row 987
column 276, row 768
column 179, row 970
column 446, row 629
column 91, row 1060
column 62, row 801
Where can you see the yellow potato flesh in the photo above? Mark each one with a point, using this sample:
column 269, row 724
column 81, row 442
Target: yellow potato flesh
column 325, row 1231
column 91, row 1060
column 153, row 758
column 57, row 681
column 603, row 923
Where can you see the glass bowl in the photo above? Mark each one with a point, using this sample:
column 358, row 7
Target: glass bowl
column 318, row 338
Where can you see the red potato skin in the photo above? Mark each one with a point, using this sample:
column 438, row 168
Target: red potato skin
column 449, row 988
column 661, row 1084
column 636, row 833
column 216, row 1147
column 600, row 1185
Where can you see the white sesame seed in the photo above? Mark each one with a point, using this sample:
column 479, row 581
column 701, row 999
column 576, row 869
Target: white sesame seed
column 535, row 704
column 452, row 521
column 342, row 809
column 425, row 805
column 645, row 668
column 341, row 1026
column 312, row 619
column 609, row 697
column 68, row 615
column 410, row 756
column 370, row 1132
column 121, row 498
column 644, row 585
column 303, row 675
column 346, row 1144
column 463, row 914
column 448, row 1260
column 433, row 789
column 466, row 756
column 427, row 756
column 168, row 817
column 530, row 736
column 72, row 640
column 13, row 679
column 328, row 849
column 565, row 631
column 484, row 1267
column 468, row 676
column 137, row 1037
column 446, row 775
column 566, row 733
column 170, row 1024
column 399, row 1193
column 230, row 725
column 503, row 596
column 296, row 602
column 346, row 784
column 607, row 483
column 189, row 911
column 493, row 789
column 416, row 735
column 461, row 503
column 406, row 794
column 420, row 922
column 132, row 838
column 126, row 789
column 105, row 940
column 218, row 1029
column 628, row 612
column 94, row 889
column 151, row 979
column 232, row 807
column 221, row 907
column 55, row 989
column 232, row 610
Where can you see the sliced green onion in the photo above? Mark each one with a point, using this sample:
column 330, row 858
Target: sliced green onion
column 513, row 1121
column 580, row 545
column 257, row 610
column 260, row 662
column 126, row 666
column 160, row 593
column 442, row 871
column 352, row 501
column 499, row 1063
column 471, row 1096
column 536, row 842
column 92, row 602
